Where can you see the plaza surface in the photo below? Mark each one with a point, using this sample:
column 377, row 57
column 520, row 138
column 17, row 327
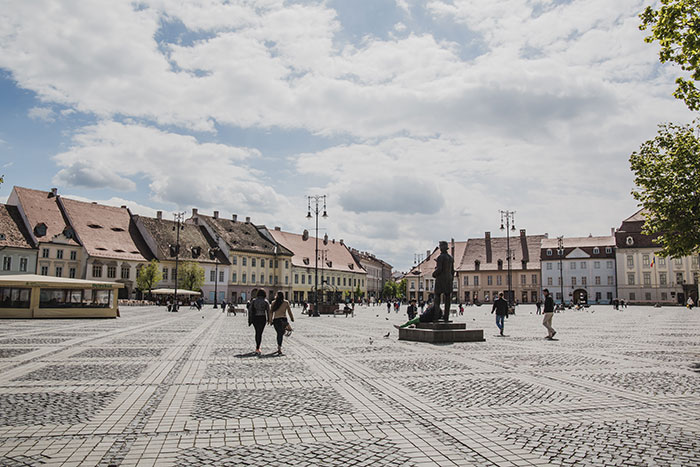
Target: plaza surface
column 181, row 389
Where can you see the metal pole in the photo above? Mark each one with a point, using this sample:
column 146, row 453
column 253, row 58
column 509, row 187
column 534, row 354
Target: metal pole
column 216, row 280
column 178, row 217
column 561, row 267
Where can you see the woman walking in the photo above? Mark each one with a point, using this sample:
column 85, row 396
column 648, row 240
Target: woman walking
column 278, row 318
column 258, row 315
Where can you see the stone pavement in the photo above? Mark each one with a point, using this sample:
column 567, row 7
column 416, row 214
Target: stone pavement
column 181, row 389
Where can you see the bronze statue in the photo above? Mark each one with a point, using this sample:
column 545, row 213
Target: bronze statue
column 443, row 274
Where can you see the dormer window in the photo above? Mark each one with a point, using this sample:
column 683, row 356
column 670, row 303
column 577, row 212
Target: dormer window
column 500, row 264
column 94, row 226
column 40, row 229
column 524, row 264
column 196, row 251
column 351, row 266
column 629, row 240
column 306, row 261
column 549, row 252
column 608, row 249
column 596, row 251
column 117, row 229
column 329, row 264
column 68, row 232
column 477, row 265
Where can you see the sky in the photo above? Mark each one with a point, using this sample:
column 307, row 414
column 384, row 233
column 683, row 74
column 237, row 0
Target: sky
column 419, row 120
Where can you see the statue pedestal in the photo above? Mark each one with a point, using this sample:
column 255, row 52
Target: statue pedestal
column 441, row 333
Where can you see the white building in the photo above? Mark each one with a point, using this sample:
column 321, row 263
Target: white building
column 583, row 269
column 644, row 276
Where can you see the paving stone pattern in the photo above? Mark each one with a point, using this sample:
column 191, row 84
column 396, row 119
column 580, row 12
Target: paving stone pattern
column 375, row 452
column 183, row 389
column 51, row 408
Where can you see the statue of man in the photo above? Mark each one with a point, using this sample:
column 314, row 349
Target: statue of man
column 443, row 274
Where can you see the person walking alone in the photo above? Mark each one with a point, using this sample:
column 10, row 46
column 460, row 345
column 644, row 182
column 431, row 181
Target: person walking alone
column 548, row 314
column 278, row 318
column 258, row 316
column 500, row 306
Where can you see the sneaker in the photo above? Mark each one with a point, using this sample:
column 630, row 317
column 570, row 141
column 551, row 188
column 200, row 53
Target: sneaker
column 549, row 338
column 554, row 333
column 258, row 352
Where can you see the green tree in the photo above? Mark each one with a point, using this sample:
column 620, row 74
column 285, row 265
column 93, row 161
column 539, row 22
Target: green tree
column 390, row 290
column 667, row 173
column 676, row 26
column 148, row 276
column 358, row 292
column 190, row 276
column 401, row 289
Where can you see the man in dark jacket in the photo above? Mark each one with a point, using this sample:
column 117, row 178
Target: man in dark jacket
column 500, row 306
column 548, row 314
column 412, row 310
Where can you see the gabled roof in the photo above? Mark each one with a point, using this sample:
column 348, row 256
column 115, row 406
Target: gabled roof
column 195, row 241
column 338, row 256
column 13, row 232
column 242, row 236
column 106, row 231
column 476, row 251
column 427, row 266
column 41, row 207
column 579, row 242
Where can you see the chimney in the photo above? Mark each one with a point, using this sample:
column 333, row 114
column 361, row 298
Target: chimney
column 427, row 254
column 277, row 229
column 523, row 246
column 342, row 242
column 247, row 220
column 194, row 212
column 94, row 202
column 159, row 215
column 612, row 231
column 216, row 214
column 489, row 255
column 196, row 220
column 234, row 217
column 53, row 193
column 123, row 206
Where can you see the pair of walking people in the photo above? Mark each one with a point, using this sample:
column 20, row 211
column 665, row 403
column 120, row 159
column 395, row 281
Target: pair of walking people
column 261, row 313
column 500, row 307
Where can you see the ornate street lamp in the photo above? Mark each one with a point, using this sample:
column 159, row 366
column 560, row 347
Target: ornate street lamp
column 317, row 199
column 214, row 254
column 508, row 224
column 175, row 250
column 560, row 252
column 417, row 260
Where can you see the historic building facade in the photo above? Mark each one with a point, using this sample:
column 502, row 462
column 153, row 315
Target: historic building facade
column 196, row 245
column 483, row 268
column 643, row 276
column 378, row 272
column 339, row 273
column 256, row 260
column 59, row 251
column 584, row 269
column 420, row 285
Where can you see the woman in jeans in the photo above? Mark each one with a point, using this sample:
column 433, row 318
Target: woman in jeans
column 278, row 318
column 258, row 315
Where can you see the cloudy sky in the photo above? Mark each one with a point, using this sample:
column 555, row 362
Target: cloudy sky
column 418, row 119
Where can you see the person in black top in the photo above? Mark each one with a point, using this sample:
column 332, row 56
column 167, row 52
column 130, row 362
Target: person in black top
column 428, row 316
column 548, row 314
column 258, row 316
column 500, row 306
column 412, row 310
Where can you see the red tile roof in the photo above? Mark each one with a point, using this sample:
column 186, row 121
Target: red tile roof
column 338, row 256
column 106, row 231
column 528, row 249
column 13, row 232
column 42, row 207
column 195, row 242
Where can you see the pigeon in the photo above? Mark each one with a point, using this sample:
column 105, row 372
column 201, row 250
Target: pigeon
column 387, row 335
column 371, row 341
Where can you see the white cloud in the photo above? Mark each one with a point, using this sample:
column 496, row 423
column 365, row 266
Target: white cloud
column 177, row 168
column 45, row 114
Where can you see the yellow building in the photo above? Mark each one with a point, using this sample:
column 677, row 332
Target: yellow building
column 339, row 274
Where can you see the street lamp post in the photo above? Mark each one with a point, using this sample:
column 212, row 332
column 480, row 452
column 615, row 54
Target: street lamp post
column 317, row 200
column 508, row 224
column 179, row 217
column 560, row 252
column 213, row 254
column 417, row 260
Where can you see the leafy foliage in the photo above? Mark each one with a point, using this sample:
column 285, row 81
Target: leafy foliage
column 394, row 290
column 667, row 171
column 190, row 276
column 676, row 26
column 149, row 276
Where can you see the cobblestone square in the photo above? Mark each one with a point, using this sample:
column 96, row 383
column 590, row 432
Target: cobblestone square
column 183, row 389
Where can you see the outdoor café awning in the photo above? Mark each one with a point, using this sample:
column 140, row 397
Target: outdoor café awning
column 172, row 291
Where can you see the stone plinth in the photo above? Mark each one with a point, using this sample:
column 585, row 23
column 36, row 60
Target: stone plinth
column 441, row 333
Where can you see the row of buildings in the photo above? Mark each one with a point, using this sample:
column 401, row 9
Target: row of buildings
column 44, row 233
column 624, row 265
